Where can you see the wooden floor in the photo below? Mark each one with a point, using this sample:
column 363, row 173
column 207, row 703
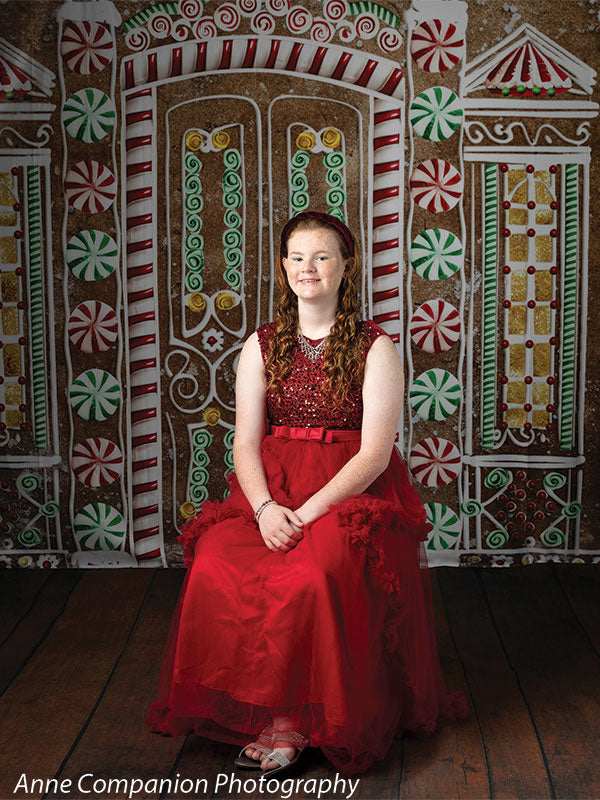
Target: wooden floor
column 79, row 665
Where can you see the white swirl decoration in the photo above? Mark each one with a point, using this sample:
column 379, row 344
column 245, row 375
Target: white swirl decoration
column 321, row 31
column 160, row 25
column 205, row 28
column 389, row 40
column 227, row 17
column 346, row 31
column 367, row 26
column 181, row 30
column 299, row 20
column 191, row 9
column 263, row 22
column 248, row 8
column 278, row 8
column 138, row 39
column 335, row 10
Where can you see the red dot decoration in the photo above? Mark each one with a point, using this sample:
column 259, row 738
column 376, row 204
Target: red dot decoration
column 553, row 270
column 529, row 527
column 511, row 486
column 18, row 234
column 553, row 340
column 22, row 380
column 504, row 425
column 542, row 494
column 506, row 303
column 21, row 340
column 530, row 506
column 528, row 379
column 550, row 379
column 550, row 505
column 23, row 426
column 529, row 167
column 16, row 206
column 527, row 426
column 531, row 303
column 502, row 498
column 506, row 231
column 539, row 515
column 531, row 204
column 504, row 379
column 19, row 271
column 554, row 205
column 505, row 343
column 520, row 494
column 527, row 406
column 549, row 426
column 500, row 515
column 553, row 304
column 521, row 516
column 506, row 269
column 22, row 408
column 531, row 269
column 14, row 170
column 550, row 408
column 511, row 506
column 553, row 168
column 21, row 304
column 530, row 231
column 529, row 343
column 503, row 407
column 521, row 475
column 503, row 167
column 554, row 232
column 510, row 527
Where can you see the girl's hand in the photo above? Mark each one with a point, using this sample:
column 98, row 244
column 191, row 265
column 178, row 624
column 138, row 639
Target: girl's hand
column 280, row 527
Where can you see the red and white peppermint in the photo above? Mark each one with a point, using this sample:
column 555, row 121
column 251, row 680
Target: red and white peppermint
column 434, row 462
column 97, row 462
column 86, row 47
column 90, row 186
column 436, row 46
column 93, row 326
column 436, row 185
column 435, row 326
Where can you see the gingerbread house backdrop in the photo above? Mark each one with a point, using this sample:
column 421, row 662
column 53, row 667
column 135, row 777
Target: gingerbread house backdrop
column 149, row 154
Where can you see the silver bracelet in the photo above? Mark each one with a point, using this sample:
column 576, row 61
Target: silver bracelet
column 260, row 509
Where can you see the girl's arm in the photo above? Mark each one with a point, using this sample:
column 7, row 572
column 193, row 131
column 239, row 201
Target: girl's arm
column 382, row 393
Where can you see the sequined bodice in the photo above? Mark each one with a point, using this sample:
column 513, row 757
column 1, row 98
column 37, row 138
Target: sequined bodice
column 303, row 401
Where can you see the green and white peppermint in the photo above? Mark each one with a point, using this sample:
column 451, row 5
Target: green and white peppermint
column 436, row 254
column 99, row 526
column 95, row 395
column 92, row 255
column 446, row 526
column 88, row 115
column 435, row 394
column 436, row 113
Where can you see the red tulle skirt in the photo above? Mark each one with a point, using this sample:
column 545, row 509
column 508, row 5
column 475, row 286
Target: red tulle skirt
column 338, row 631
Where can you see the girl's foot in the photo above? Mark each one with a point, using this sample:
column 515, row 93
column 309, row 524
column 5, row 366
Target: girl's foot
column 269, row 763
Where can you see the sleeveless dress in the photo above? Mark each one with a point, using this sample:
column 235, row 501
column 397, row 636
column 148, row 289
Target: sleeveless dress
column 339, row 630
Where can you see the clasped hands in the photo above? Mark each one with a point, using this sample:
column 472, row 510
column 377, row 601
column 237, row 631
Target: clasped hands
column 281, row 528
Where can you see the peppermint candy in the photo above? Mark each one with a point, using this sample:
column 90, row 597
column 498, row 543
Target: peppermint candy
column 436, row 254
column 99, row 526
column 436, row 46
column 92, row 255
column 436, row 185
column 88, row 115
column 97, row 462
column 434, row 462
column 93, row 326
column 90, row 187
column 436, row 113
column 435, row 326
column 86, row 47
column 435, row 394
column 95, row 395
column 446, row 526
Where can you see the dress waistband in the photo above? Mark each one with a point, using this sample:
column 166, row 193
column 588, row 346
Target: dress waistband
column 318, row 434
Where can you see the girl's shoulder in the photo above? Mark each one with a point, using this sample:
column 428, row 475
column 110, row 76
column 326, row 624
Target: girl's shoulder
column 265, row 333
column 373, row 330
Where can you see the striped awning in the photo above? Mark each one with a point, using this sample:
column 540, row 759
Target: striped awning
column 527, row 72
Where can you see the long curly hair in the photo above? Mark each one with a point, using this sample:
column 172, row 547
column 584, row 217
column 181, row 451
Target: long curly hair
column 344, row 344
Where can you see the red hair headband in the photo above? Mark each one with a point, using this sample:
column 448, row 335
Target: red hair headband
column 320, row 216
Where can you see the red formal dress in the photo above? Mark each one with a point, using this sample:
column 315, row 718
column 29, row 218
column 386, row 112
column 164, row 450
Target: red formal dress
column 339, row 630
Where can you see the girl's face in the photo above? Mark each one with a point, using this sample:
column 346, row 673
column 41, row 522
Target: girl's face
column 314, row 265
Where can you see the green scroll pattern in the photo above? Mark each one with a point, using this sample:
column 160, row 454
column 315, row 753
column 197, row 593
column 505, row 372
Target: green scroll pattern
column 192, row 208
column 335, row 164
column 232, row 201
column 299, row 196
column 199, row 475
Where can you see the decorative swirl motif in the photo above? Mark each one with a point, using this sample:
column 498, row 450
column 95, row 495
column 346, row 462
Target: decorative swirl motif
column 197, row 302
column 496, row 539
column 497, row 478
column 334, row 160
column 191, row 162
column 232, row 198
column 389, row 40
column 232, row 238
column 321, row 31
column 30, row 537
column 43, row 134
column 193, row 203
column 232, row 219
column 263, row 22
column 298, row 181
column 304, row 141
column 334, row 178
column 233, row 259
column 476, row 131
column 191, row 9
column 471, row 507
column 181, row 30
column 205, row 28
column 28, row 482
column 227, row 17
column 299, row 201
column 367, row 26
column 194, row 282
column 232, row 159
column 193, row 140
column 201, row 439
column 346, row 31
column 194, row 261
column 248, row 7
column 278, row 7
column 554, row 480
column 160, row 25
column 194, row 223
column 231, row 181
column 552, row 537
column 194, row 241
column 299, row 20
column 335, row 10
column 572, row 510
column 187, row 510
column 335, row 198
column 50, row 509
column 192, row 183
column 331, row 137
column 138, row 39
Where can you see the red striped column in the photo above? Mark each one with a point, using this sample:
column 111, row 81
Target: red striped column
column 388, row 196
column 144, row 441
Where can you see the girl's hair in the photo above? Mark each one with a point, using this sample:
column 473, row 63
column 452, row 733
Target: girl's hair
column 346, row 338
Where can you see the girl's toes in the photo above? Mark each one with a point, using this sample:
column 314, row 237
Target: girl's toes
column 252, row 753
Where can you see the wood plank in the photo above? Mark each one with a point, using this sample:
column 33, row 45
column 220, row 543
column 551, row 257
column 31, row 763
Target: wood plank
column 116, row 743
column 18, row 590
column 45, row 707
column 515, row 760
column 558, row 670
column 38, row 617
column 452, row 762
column 581, row 584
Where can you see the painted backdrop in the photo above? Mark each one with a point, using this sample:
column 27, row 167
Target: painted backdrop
column 149, row 155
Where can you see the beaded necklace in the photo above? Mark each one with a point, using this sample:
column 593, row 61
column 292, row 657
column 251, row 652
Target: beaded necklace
column 314, row 353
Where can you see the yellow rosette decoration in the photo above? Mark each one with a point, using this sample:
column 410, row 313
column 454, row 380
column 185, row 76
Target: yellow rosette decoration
column 187, row 509
column 331, row 137
column 212, row 416
column 305, row 140
column 224, row 301
column 220, row 140
column 193, row 140
column 197, row 302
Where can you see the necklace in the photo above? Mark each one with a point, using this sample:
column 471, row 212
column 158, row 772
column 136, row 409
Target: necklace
column 314, row 353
